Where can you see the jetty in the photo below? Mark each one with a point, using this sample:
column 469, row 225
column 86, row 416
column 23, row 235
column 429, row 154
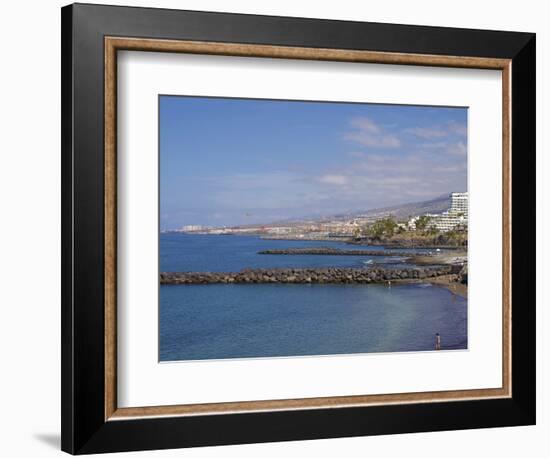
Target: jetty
column 326, row 275
column 340, row 252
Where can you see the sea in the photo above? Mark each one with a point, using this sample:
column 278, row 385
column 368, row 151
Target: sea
column 221, row 321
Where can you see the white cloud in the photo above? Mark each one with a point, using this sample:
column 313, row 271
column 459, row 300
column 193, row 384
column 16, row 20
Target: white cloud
column 367, row 133
column 449, row 148
column 457, row 149
column 356, row 154
column 337, row 180
column 440, row 131
column 365, row 124
column 380, row 180
column 433, row 145
column 427, row 132
column 457, row 128
column 459, row 168
column 363, row 180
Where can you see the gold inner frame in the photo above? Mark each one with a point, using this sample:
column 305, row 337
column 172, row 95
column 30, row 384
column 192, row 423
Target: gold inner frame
column 112, row 45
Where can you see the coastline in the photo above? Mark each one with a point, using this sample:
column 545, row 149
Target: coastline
column 453, row 281
column 455, row 287
column 350, row 240
column 452, row 258
column 347, row 239
column 448, row 282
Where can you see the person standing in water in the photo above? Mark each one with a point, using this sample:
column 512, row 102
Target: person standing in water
column 437, row 341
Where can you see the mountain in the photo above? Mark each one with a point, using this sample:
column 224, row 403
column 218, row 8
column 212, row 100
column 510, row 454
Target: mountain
column 400, row 212
column 403, row 211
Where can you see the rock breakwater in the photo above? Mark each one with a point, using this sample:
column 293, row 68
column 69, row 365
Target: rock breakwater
column 340, row 252
column 304, row 276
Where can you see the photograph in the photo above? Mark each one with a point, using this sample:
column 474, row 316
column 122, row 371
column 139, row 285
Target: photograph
column 279, row 226
column 300, row 228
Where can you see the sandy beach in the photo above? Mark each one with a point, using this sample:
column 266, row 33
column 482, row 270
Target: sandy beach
column 451, row 282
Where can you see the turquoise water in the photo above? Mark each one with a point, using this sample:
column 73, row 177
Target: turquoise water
column 266, row 320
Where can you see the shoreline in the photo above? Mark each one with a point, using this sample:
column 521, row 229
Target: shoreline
column 350, row 240
column 448, row 282
column 455, row 287
column 388, row 244
column 453, row 258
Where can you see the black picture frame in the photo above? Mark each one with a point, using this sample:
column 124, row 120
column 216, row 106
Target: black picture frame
column 84, row 428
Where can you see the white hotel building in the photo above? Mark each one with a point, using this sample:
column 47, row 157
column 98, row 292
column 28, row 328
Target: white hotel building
column 459, row 203
column 191, row 228
column 455, row 216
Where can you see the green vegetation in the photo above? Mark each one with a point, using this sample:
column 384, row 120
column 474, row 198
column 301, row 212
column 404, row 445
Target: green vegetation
column 431, row 230
column 423, row 223
column 385, row 227
column 388, row 231
column 455, row 235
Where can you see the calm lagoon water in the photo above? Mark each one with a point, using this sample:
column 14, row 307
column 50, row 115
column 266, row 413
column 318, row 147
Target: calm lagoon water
column 266, row 320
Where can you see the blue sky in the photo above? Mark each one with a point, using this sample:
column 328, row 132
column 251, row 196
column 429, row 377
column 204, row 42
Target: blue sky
column 242, row 161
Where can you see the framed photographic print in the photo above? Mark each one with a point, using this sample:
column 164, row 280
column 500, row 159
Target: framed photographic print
column 282, row 228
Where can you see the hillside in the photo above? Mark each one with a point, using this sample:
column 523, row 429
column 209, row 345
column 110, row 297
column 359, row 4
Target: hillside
column 402, row 211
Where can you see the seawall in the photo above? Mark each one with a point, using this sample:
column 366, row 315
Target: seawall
column 339, row 252
column 296, row 275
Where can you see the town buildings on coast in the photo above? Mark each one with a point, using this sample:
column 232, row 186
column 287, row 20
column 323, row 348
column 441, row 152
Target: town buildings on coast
column 455, row 218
